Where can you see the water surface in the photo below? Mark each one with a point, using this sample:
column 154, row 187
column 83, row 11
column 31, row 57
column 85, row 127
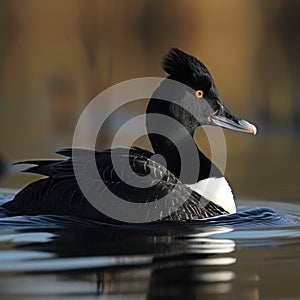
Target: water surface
column 253, row 254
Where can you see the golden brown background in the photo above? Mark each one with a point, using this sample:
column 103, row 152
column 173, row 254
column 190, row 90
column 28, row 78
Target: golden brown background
column 55, row 56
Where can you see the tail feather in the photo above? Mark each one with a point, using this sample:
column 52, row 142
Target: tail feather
column 49, row 168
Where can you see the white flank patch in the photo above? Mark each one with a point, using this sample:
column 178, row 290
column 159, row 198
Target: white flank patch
column 216, row 190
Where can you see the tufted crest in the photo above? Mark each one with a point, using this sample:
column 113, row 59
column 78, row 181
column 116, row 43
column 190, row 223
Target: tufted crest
column 187, row 69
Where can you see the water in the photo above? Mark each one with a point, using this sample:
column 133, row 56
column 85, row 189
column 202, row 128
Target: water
column 253, row 254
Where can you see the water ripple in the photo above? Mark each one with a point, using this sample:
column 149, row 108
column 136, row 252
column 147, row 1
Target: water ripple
column 280, row 215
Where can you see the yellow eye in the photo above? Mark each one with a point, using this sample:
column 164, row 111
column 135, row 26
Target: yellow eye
column 199, row 94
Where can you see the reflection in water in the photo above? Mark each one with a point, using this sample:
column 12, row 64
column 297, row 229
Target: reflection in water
column 197, row 271
column 122, row 261
column 61, row 257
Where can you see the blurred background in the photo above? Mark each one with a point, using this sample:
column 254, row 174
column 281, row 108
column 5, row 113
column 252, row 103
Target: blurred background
column 56, row 56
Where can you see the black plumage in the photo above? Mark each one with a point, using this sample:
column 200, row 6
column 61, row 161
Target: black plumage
column 59, row 192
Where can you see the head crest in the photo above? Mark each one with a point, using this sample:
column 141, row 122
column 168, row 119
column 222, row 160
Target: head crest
column 186, row 69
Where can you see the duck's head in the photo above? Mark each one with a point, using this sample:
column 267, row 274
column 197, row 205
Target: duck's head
column 201, row 96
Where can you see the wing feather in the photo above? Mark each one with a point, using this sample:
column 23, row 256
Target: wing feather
column 60, row 193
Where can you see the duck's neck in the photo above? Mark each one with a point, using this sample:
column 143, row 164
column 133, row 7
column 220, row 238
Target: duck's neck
column 163, row 146
column 178, row 138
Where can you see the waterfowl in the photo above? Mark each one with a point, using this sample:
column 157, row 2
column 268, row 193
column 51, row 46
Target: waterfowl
column 206, row 194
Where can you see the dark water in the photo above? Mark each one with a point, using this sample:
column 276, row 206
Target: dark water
column 253, row 254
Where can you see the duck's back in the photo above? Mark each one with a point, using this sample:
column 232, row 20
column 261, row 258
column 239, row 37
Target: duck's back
column 60, row 193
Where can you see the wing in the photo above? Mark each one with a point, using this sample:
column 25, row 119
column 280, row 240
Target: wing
column 147, row 182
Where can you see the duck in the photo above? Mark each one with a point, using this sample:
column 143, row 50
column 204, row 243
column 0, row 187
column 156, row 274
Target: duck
column 206, row 194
